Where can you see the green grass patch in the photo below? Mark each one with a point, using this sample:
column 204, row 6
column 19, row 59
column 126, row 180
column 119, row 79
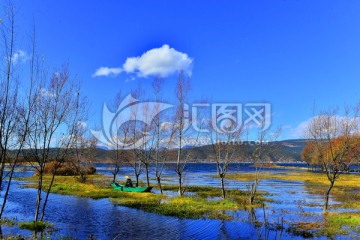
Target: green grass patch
column 304, row 229
column 212, row 192
column 344, row 191
column 334, row 224
column 346, row 180
column 341, row 221
column 37, row 226
column 8, row 221
column 191, row 207
column 206, row 203
column 96, row 187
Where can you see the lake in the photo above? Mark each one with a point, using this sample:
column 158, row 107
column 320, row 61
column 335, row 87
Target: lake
column 100, row 219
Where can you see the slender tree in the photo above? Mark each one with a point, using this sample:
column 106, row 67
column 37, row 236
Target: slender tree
column 121, row 140
column 82, row 152
column 261, row 150
column 14, row 106
column 135, row 136
column 225, row 143
column 58, row 108
column 181, row 128
column 163, row 135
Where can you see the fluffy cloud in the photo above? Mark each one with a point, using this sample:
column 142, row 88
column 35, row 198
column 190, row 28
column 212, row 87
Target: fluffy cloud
column 105, row 71
column 300, row 130
column 46, row 93
column 163, row 62
column 19, row 56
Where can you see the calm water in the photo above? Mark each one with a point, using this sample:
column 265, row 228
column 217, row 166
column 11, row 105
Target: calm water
column 82, row 217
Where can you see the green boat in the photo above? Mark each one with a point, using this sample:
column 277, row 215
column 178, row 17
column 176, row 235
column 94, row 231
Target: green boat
column 123, row 188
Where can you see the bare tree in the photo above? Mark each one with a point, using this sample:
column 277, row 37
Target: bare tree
column 163, row 135
column 15, row 105
column 82, row 152
column 12, row 133
column 225, row 143
column 147, row 143
column 262, row 148
column 121, row 139
column 334, row 140
column 57, row 110
column 135, row 138
column 181, row 128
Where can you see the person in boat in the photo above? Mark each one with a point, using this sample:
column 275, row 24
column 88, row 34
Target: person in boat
column 128, row 182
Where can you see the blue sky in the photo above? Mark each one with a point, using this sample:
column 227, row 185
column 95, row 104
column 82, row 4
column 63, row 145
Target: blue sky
column 291, row 54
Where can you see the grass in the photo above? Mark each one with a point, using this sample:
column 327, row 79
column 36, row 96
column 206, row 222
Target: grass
column 198, row 206
column 341, row 223
column 347, row 180
column 8, row 221
column 37, row 226
column 345, row 190
column 191, row 207
column 304, row 229
column 347, row 224
column 96, row 187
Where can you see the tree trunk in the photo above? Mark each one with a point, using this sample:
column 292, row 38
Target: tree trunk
column 223, row 187
column 115, row 172
column 7, row 188
column 253, row 192
column 147, row 174
column 114, row 177
column 137, row 179
column 47, row 196
column 38, row 199
column 327, row 195
column 158, row 179
column 180, row 191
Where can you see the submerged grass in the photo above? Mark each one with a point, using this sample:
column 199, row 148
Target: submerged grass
column 345, row 191
column 334, row 224
column 8, row 221
column 37, row 226
column 347, row 180
column 191, row 207
column 96, row 187
column 197, row 206
column 345, row 223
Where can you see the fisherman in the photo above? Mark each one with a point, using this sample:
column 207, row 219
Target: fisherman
column 128, row 182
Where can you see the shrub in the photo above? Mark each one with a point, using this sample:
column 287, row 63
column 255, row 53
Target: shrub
column 67, row 169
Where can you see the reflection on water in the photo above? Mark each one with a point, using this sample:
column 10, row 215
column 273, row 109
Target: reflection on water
column 83, row 217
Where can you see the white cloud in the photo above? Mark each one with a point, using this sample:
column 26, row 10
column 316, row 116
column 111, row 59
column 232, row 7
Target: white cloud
column 106, row 71
column 46, row 93
column 19, row 56
column 300, row 130
column 163, row 62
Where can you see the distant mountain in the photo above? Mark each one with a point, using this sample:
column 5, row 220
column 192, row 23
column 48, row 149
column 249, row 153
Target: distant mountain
column 278, row 151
